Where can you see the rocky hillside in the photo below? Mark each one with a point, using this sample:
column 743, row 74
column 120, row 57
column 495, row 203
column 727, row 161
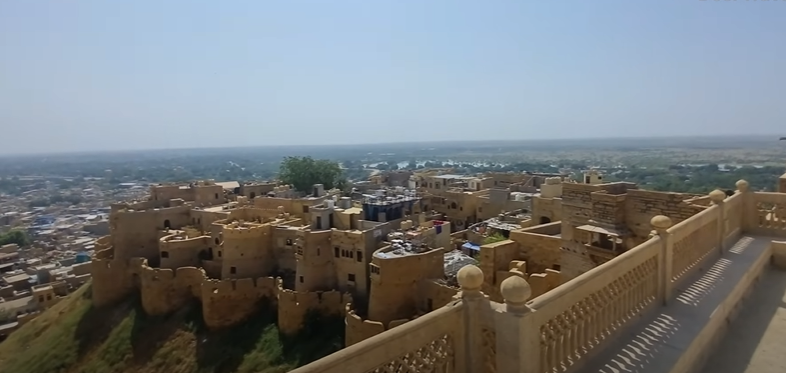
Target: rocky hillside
column 75, row 337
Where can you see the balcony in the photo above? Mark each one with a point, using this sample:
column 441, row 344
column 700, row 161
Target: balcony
column 661, row 306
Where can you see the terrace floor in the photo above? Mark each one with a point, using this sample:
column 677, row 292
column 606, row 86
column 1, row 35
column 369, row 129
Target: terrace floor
column 756, row 340
column 656, row 343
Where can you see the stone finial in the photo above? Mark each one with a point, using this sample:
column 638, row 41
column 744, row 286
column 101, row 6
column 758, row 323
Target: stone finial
column 742, row 186
column 470, row 278
column 516, row 292
column 660, row 222
column 717, row 196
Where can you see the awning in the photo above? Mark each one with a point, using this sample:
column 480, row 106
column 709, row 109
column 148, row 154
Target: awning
column 470, row 246
column 596, row 229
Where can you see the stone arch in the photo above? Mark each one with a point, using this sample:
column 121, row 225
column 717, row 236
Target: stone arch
column 167, row 224
column 545, row 220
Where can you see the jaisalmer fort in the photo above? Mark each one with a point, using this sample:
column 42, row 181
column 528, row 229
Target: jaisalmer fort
column 583, row 276
column 439, row 272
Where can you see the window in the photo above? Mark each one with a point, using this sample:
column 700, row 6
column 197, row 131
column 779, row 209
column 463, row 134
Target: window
column 556, row 267
column 41, row 298
column 317, row 251
column 289, row 241
column 165, row 254
column 219, row 253
column 374, row 269
column 335, row 251
column 351, row 277
column 218, row 242
column 301, row 279
column 360, row 256
column 232, row 270
column 167, row 224
column 49, row 297
column 305, row 209
column 216, row 196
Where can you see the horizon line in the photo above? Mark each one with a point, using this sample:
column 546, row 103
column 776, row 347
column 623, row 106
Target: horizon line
column 775, row 137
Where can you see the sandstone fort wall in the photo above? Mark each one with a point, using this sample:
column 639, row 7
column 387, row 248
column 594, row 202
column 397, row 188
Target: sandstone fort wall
column 294, row 305
column 229, row 302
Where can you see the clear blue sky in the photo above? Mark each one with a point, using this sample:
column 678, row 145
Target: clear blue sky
column 93, row 75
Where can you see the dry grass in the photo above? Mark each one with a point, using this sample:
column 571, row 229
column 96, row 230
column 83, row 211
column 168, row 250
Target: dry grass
column 75, row 337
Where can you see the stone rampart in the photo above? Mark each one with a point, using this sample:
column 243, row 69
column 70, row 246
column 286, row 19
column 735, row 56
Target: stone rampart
column 293, row 306
column 166, row 290
column 358, row 329
column 228, row 302
column 111, row 280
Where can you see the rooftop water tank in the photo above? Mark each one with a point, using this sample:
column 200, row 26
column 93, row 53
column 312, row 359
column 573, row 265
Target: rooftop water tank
column 82, row 257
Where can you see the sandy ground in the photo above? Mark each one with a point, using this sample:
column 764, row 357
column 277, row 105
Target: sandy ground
column 756, row 340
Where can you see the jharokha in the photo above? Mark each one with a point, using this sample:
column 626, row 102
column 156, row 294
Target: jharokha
column 436, row 272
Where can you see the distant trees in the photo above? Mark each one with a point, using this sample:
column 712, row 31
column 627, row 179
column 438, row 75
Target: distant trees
column 16, row 236
column 303, row 172
column 72, row 199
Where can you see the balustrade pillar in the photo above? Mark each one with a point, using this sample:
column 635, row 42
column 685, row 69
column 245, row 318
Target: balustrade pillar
column 518, row 338
column 469, row 357
column 750, row 217
column 661, row 224
column 717, row 197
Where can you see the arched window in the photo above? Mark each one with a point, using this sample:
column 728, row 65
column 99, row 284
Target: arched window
column 167, row 224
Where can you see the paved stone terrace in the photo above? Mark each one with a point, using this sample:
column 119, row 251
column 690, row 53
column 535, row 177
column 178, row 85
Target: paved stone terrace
column 656, row 344
column 756, row 340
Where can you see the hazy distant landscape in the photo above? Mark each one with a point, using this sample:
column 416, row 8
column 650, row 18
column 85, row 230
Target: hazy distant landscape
column 657, row 163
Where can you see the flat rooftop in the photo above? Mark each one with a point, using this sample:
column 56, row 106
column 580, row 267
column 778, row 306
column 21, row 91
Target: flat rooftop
column 454, row 176
column 401, row 248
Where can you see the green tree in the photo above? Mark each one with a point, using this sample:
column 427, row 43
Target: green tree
column 16, row 236
column 496, row 237
column 303, row 172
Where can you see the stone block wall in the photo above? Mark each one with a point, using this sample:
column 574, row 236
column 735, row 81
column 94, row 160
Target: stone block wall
column 539, row 250
column 294, row 305
column 642, row 205
column 432, row 295
column 112, row 280
column 608, row 209
column 495, row 258
column 574, row 260
column 358, row 329
column 166, row 290
column 540, row 283
column 229, row 302
column 177, row 251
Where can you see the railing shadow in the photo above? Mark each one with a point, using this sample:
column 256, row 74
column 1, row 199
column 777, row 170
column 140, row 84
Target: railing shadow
column 643, row 350
column 655, row 342
column 748, row 332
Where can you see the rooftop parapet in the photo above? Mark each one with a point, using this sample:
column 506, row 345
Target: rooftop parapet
column 403, row 248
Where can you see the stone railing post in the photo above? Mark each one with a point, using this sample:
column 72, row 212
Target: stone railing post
column 518, row 338
column 750, row 217
column 469, row 358
column 661, row 224
column 717, row 197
